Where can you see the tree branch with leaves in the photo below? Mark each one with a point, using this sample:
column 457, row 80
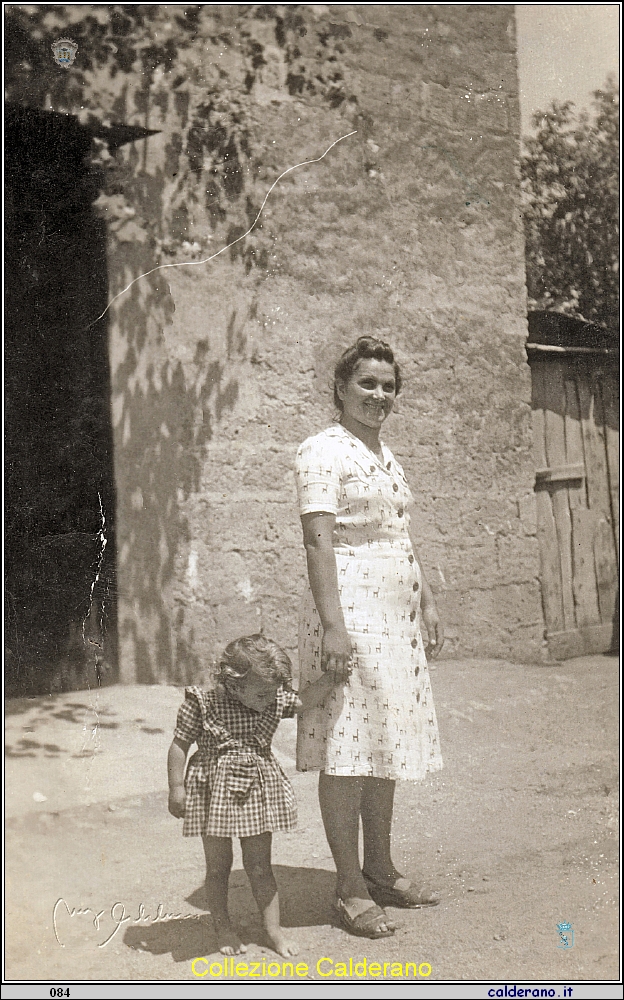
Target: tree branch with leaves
column 570, row 199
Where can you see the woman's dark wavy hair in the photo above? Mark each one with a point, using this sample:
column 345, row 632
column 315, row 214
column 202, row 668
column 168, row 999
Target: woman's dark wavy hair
column 255, row 654
column 364, row 347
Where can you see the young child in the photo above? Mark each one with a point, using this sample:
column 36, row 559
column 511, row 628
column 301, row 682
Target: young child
column 234, row 786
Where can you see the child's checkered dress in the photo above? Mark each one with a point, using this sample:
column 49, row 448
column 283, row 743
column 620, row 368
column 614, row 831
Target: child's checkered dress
column 234, row 785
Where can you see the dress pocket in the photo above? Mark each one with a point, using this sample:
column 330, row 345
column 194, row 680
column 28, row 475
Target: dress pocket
column 241, row 778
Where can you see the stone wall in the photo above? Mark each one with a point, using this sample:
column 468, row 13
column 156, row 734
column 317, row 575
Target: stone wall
column 409, row 228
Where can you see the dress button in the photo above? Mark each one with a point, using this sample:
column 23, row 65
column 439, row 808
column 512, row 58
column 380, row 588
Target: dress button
column 414, row 642
column 400, row 512
column 395, row 487
column 372, row 468
column 389, row 465
column 415, row 587
column 410, row 559
column 412, row 615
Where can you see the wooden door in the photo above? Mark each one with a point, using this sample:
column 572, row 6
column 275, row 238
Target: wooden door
column 576, row 435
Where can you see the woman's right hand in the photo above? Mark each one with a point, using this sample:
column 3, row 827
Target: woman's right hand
column 177, row 801
column 337, row 652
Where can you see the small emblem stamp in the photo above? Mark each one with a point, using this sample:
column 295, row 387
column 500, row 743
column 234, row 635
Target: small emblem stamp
column 566, row 935
column 64, row 51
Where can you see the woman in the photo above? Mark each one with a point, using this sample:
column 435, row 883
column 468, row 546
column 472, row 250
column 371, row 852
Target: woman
column 360, row 619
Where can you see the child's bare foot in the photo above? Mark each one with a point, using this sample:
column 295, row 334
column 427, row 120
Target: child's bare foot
column 227, row 938
column 282, row 944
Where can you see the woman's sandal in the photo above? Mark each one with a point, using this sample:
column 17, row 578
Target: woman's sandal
column 365, row 924
column 388, row 895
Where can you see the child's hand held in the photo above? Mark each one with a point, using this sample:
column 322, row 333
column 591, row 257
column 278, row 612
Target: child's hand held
column 177, row 802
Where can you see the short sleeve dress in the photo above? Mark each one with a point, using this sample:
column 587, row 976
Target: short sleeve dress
column 234, row 785
column 382, row 723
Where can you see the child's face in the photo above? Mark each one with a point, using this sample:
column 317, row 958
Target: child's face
column 254, row 692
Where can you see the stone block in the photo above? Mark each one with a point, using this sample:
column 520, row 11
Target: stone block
column 439, row 104
column 237, row 363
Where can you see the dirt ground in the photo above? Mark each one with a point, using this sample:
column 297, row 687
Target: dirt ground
column 519, row 832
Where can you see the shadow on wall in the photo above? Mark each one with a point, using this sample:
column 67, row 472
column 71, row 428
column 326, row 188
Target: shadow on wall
column 164, row 413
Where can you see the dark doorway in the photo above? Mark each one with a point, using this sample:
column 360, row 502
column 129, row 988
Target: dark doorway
column 60, row 504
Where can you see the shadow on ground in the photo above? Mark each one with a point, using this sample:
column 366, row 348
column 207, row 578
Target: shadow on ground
column 305, row 901
column 40, row 714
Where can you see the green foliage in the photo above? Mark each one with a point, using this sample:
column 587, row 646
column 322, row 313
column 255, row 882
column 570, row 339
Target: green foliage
column 570, row 193
column 198, row 72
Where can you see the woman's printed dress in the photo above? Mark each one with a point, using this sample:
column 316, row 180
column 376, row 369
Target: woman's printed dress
column 382, row 723
column 234, row 785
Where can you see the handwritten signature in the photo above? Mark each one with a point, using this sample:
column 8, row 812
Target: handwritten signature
column 118, row 916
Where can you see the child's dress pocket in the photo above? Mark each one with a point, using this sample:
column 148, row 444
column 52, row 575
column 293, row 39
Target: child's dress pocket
column 243, row 774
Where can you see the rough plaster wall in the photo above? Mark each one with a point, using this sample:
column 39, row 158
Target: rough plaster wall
column 409, row 229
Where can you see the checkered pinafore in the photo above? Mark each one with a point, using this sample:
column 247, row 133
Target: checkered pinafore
column 234, row 785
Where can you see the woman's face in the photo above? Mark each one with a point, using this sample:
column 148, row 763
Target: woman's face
column 369, row 395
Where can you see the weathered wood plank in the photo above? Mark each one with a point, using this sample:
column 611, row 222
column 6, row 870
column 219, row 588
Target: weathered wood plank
column 592, row 427
column 554, row 418
column 606, row 570
column 583, row 574
column 605, row 557
column 561, row 474
column 574, row 441
column 582, row 642
column 552, row 598
column 598, row 494
column 546, row 530
column 563, row 524
column 540, row 393
column 575, row 419
column 611, row 413
column 565, row 645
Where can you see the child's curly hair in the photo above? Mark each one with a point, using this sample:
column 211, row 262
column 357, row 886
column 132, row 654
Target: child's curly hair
column 255, row 654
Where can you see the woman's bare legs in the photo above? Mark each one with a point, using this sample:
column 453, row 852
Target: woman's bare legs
column 257, row 864
column 376, row 810
column 340, row 801
column 218, row 851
